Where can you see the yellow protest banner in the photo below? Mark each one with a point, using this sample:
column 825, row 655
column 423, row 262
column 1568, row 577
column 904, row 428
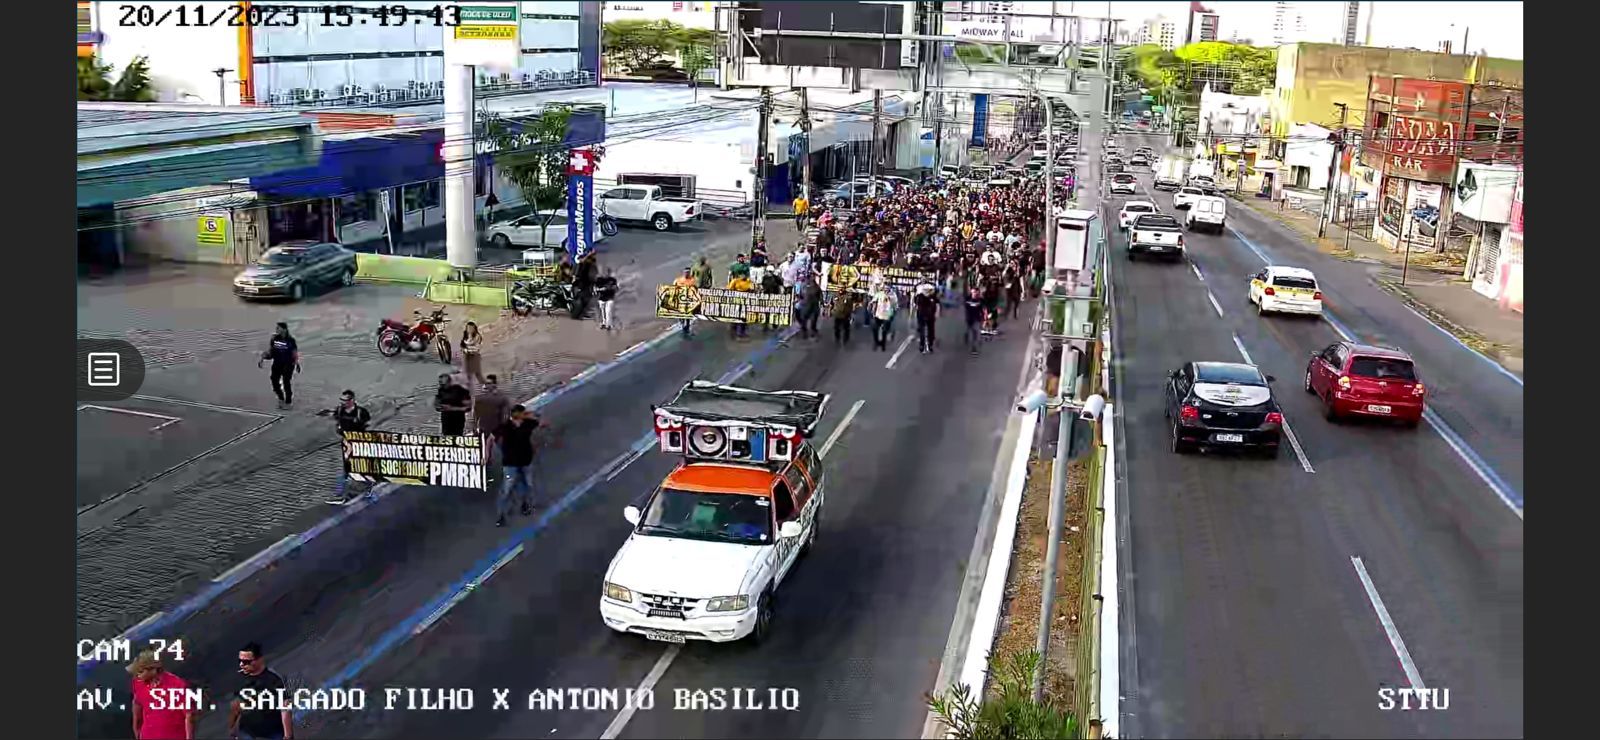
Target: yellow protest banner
column 725, row 306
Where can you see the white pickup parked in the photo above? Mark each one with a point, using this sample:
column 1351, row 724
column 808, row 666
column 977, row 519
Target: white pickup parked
column 645, row 203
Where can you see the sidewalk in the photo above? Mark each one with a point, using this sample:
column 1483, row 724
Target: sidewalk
column 1433, row 284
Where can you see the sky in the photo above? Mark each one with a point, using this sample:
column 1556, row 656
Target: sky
column 1495, row 27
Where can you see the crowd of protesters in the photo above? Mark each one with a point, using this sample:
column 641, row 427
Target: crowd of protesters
column 978, row 247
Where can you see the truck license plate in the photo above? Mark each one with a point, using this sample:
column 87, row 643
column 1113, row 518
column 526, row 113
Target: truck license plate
column 1230, row 437
column 664, row 636
column 1379, row 409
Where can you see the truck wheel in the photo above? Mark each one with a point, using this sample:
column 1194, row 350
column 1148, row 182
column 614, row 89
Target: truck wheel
column 661, row 221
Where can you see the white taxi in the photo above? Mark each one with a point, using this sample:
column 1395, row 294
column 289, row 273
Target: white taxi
column 1280, row 289
column 1132, row 210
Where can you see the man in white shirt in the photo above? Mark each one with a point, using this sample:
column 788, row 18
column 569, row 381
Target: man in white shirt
column 883, row 306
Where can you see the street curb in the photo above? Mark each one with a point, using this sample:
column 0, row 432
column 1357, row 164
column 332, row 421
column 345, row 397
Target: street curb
column 158, row 622
column 1459, row 333
column 1302, row 236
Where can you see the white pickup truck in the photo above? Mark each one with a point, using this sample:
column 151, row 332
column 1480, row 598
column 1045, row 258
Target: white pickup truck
column 1155, row 233
column 645, row 203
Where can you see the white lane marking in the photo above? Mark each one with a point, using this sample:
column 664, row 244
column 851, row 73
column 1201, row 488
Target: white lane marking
column 1196, row 269
column 199, row 405
column 1214, row 303
column 1242, row 351
column 168, row 420
column 839, row 430
column 898, row 352
column 1299, row 452
column 1487, row 475
column 625, row 463
column 646, row 686
column 1395, row 641
column 465, row 592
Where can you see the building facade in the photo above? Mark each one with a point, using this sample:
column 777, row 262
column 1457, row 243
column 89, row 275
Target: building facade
column 1160, row 30
column 373, row 61
column 88, row 29
column 686, row 14
column 1352, row 16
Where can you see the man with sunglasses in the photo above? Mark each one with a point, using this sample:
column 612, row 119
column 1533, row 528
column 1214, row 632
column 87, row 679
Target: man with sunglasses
column 266, row 719
column 350, row 417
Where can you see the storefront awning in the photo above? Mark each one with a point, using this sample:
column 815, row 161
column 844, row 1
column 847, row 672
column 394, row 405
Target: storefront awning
column 134, row 177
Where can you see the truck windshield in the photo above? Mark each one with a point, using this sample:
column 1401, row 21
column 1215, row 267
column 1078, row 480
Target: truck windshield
column 720, row 517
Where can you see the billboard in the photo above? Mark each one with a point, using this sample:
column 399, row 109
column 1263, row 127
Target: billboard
column 1416, row 127
column 828, row 17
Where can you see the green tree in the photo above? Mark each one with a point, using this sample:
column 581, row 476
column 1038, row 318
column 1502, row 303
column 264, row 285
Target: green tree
column 133, row 85
column 694, row 49
column 1010, row 712
column 631, row 44
column 533, row 155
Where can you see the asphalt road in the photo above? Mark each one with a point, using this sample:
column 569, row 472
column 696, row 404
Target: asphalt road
column 1246, row 613
column 861, row 625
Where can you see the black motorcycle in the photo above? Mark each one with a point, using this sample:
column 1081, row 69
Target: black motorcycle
column 547, row 297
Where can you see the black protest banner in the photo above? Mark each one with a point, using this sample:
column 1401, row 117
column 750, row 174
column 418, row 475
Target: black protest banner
column 859, row 278
column 415, row 459
column 725, row 306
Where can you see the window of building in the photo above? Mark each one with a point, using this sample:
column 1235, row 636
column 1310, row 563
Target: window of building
column 358, row 207
column 421, row 195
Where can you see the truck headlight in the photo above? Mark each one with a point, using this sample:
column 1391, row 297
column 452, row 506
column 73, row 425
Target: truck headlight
column 618, row 593
column 728, row 604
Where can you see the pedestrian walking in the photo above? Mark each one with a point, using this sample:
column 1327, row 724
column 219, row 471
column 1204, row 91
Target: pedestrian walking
column 690, row 280
column 974, row 315
column 472, row 352
column 516, row 455
column 284, row 353
column 154, row 716
column 452, row 401
column 883, row 307
column 809, row 307
column 740, row 281
column 490, row 409
column 348, row 417
column 1014, row 290
column 843, row 305
column 703, row 278
column 605, row 291
column 926, row 305
column 262, row 685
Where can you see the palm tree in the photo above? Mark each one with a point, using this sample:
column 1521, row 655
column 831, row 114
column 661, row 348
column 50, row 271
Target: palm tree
column 133, row 85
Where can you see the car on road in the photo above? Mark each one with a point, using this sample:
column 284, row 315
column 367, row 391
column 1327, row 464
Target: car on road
column 711, row 545
column 645, row 203
column 859, row 190
column 1223, row 405
column 1155, row 233
column 289, row 269
column 1133, row 209
column 1138, row 160
column 1124, row 183
column 1364, row 380
column 547, row 228
column 1283, row 289
column 1185, row 197
column 1116, row 166
column 1205, row 184
column 1209, row 211
column 1146, row 151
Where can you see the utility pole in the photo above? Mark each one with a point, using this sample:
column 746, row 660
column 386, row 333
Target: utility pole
column 461, row 226
column 758, row 214
column 222, row 85
column 1328, row 200
column 875, row 150
column 1058, row 511
column 1049, row 188
column 805, row 161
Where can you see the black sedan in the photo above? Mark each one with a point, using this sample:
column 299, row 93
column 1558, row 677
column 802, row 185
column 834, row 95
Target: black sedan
column 288, row 270
column 1218, row 405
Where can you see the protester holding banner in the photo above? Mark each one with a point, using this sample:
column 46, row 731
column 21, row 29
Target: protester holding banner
column 348, row 417
column 490, row 409
column 452, row 401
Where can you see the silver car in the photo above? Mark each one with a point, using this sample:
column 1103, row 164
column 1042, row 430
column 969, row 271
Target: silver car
column 547, row 228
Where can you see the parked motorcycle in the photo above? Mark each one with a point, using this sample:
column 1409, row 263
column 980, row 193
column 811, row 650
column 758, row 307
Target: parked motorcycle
column 547, row 297
column 608, row 224
column 396, row 336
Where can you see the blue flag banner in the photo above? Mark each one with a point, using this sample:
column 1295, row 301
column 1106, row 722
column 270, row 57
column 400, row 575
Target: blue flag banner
column 980, row 120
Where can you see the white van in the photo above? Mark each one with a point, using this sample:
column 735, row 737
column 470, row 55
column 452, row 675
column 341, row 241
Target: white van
column 1207, row 210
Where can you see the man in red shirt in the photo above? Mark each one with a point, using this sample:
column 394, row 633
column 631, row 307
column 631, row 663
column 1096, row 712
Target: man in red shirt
column 159, row 712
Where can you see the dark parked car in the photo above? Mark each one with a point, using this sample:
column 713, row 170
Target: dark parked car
column 1223, row 405
column 289, row 270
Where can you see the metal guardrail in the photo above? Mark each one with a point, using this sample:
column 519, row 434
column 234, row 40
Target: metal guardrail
column 1087, row 675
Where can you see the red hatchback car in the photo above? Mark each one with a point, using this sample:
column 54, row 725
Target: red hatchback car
column 1363, row 380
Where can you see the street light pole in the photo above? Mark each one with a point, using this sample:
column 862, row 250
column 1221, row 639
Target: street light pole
column 222, row 85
